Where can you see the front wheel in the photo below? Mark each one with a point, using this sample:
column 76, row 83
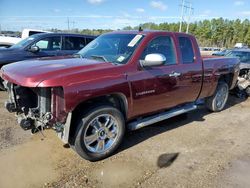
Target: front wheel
column 217, row 102
column 100, row 132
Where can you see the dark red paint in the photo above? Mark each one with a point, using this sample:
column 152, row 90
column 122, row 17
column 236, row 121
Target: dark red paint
column 83, row 79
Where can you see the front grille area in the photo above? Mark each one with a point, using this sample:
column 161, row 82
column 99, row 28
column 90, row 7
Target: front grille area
column 25, row 98
column 44, row 101
column 40, row 107
column 32, row 105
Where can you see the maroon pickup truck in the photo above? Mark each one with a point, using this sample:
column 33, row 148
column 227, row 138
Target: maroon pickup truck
column 120, row 81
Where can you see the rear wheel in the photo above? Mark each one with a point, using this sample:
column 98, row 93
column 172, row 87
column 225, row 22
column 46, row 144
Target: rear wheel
column 100, row 132
column 218, row 101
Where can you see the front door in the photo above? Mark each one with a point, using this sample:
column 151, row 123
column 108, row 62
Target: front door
column 166, row 86
column 49, row 46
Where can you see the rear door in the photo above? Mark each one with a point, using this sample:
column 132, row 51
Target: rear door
column 174, row 83
column 190, row 68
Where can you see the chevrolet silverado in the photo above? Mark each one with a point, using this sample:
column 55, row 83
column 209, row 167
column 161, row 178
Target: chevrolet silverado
column 122, row 80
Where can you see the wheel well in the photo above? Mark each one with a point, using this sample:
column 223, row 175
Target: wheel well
column 118, row 101
column 228, row 78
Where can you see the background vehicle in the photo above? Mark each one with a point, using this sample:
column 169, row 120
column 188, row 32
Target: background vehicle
column 222, row 53
column 244, row 76
column 209, row 50
column 240, row 45
column 28, row 32
column 121, row 80
column 8, row 41
column 44, row 45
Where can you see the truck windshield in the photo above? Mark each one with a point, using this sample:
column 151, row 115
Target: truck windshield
column 114, row 48
column 23, row 42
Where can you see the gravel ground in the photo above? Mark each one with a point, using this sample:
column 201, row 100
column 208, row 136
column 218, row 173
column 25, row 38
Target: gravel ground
column 201, row 149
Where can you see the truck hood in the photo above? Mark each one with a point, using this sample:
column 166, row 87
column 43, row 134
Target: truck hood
column 8, row 55
column 31, row 73
column 7, row 51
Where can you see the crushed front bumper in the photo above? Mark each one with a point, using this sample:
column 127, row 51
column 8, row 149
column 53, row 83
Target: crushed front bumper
column 39, row 108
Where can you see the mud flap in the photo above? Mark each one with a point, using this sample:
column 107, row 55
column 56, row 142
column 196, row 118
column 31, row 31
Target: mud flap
column 64, row 134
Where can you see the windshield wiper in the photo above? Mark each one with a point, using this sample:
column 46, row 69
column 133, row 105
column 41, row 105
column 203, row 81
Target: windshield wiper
column 77, row 55
column 99, row 57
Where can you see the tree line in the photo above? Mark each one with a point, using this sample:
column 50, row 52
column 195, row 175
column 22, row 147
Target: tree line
column 211, row 33
column 216, row 32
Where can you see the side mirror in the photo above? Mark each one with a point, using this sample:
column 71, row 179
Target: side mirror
column 153, row 60
column 34, row 49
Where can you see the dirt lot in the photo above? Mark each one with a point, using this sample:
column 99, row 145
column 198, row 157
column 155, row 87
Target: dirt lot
column 201, row 150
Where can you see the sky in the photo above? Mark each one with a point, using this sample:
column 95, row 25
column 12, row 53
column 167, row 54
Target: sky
column 110, row 14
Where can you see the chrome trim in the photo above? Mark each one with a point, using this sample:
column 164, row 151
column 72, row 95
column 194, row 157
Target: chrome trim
column 101, row 133
column 160, row 117
column 174, row 74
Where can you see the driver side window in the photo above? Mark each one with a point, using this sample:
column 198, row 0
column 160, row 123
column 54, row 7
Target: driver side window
column 50, row 43
column 161, row 45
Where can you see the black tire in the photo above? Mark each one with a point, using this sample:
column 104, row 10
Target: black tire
column 85, row 123
column 217, row 102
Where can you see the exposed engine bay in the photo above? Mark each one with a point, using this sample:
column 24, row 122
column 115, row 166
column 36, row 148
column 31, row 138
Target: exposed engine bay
column 36, row 108
column 244, row 82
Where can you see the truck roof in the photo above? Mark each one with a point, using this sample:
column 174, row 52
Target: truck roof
column 146, row 32
column 62, row 34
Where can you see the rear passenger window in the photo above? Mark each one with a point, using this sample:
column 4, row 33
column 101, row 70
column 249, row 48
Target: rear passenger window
column 74, row 43
column 186, row 48
column 162, row 45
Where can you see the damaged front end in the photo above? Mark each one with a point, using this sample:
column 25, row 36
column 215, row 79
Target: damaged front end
column 244, row 79
column 244, row 82
column 37, row 108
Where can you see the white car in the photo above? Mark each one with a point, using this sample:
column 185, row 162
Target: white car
column 7, row 41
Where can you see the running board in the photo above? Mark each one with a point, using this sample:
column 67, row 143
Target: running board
column 160, row 117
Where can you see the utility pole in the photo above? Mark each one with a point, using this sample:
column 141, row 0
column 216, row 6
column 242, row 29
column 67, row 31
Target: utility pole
column 182, row 12
column 186, row 7
column 190, row 12
column 68, row 23
column 73, row 23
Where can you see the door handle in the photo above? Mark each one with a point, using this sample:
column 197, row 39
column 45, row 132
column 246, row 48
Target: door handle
column 174, row 74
